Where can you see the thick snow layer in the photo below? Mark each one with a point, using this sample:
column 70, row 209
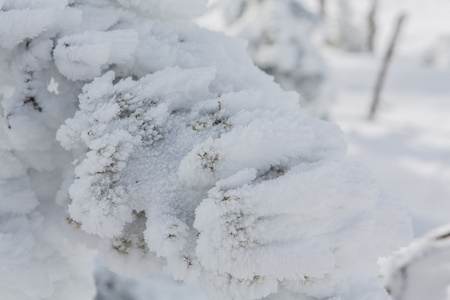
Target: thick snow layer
column 38, row 20
column 82, row 56
column 168, row 8
column 37, row 261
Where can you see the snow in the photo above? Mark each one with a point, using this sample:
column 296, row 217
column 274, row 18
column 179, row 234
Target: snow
column 179, row 152
column 407, row 149
column 407, row 145
column 171, row 9
column 35, row 265
column 420, row 270
column 279, row 35
column 131, row 153
column 40, row 20
column 82, row 56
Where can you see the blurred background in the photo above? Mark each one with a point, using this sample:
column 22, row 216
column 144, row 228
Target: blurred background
column 341, row 56
column 332, row 53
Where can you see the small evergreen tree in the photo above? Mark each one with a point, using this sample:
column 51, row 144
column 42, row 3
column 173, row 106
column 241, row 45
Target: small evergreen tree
column 280, row 42
column 176, row 151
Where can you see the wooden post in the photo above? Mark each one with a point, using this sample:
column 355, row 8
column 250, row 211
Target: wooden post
column 384, row 67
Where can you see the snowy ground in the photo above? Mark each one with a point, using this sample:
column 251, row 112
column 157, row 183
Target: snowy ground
column 407, row 146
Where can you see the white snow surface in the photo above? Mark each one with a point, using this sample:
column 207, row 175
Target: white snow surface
column 406, row 146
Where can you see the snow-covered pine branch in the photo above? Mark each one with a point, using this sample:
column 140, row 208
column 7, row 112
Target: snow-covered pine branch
column 420, row 270
column 177, row 151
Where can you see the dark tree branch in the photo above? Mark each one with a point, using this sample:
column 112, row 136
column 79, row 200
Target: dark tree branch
column 384, row 67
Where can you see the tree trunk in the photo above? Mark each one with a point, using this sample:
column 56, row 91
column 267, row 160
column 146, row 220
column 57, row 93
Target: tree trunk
column 384, row 67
